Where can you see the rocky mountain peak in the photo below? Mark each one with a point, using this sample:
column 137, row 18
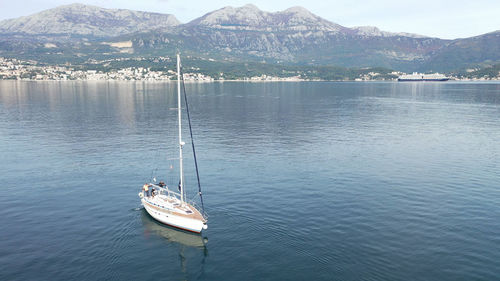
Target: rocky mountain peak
column 302, row 18
column 251, row 7
column 76, row 7
column 374, row 31
column 249, row 17
column 301, row 11
column 88, row 20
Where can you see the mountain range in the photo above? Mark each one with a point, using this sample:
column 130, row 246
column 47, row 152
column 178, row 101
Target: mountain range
column 77, row 33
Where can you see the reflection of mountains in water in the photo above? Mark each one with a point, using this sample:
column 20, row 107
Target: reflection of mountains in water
column 172, row 234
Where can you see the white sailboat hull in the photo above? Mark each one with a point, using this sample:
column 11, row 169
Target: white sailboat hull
column 170, row 218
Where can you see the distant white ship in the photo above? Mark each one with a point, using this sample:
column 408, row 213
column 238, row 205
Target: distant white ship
column 423, row 77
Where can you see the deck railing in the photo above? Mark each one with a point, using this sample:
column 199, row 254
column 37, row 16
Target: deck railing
column 166, row 191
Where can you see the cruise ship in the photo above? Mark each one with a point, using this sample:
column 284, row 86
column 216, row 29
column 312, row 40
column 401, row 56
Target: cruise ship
column 423, row 77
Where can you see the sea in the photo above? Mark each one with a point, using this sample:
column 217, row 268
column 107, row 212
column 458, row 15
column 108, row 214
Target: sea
column 301, row 180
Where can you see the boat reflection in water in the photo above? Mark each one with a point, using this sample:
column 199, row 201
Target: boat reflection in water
column 191, row 246
column 172, row 234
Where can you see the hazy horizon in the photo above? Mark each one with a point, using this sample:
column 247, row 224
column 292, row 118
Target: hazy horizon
column 429, row 18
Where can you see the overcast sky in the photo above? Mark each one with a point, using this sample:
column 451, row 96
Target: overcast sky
column 438, row 18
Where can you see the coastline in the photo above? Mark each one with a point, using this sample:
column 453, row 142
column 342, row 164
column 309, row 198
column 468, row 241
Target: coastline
column 14, row 69
column 259, row 81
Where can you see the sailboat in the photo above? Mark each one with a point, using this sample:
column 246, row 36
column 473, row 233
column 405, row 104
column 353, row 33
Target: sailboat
column 168, row 206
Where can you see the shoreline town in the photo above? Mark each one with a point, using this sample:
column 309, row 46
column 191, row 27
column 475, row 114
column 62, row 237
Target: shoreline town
column 15, row 69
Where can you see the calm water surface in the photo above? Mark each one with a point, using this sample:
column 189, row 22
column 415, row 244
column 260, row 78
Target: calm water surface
column 302, row 181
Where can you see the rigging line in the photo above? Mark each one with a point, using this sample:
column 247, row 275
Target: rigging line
column 192, row 141
column 155, row 169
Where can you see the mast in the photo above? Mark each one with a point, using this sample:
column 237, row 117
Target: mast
column 181, row 143
column 192, row 144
